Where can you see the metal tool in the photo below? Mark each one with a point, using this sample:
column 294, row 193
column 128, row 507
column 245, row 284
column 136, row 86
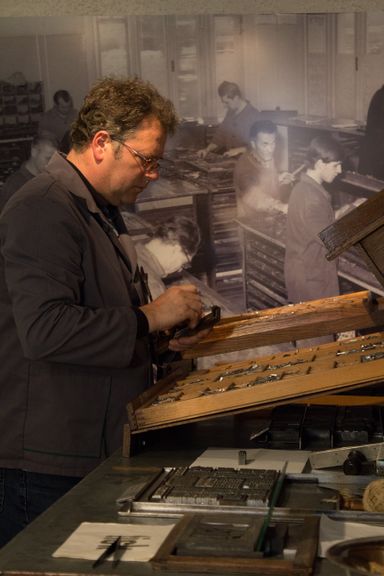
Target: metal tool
column 338, row 456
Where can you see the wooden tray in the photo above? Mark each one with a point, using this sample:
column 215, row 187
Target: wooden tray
column 267, row 381
column 171, row 556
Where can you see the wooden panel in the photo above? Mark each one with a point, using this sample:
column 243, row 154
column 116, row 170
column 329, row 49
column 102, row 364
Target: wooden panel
column 362, row 227
column 354, row 226
column 372, row 245
column 266, row 381
column 292, row 322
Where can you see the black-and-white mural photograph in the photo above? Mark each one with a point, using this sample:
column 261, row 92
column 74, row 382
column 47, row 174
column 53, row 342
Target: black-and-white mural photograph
column 279, row 134
column 191, row 280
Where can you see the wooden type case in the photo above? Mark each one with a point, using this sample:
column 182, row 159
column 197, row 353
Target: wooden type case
column 266, row 381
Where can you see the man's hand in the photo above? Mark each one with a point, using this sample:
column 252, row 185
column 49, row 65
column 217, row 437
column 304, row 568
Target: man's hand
column 233, row 152
column 176, row 305
column 286, row 178
column 185, row 342
column 203, row 153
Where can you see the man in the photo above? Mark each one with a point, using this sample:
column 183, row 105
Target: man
column 308, row 274
column 232, row 135
column 42, row 149
column 57, row 121
column 76, row 329
column 256, row 180
column 172, row 246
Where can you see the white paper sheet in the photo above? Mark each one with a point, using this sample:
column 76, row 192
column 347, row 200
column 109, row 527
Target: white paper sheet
column 258, row 458
column 334, row 531
column 90, row 539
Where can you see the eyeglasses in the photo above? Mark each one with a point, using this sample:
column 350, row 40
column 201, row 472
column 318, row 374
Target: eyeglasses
column 149, row 164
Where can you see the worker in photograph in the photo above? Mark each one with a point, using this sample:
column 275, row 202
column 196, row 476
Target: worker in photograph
column 56, row 122
column 42, row 149
column 170, row 248
column 308, row 273
column 256, row 179
column 231, row 137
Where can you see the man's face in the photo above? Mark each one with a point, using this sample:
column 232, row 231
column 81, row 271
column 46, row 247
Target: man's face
column 231, row 103
column 63, row 106
column 264, row 145
column 42, row 154
column 125, row 175
column 329, row 170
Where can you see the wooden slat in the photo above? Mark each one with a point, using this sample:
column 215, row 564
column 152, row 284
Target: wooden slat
column 293, row 322
column 343, row 400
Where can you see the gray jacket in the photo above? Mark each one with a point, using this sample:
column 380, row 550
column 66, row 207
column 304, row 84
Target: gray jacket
column 70, row 358
column 308, row 274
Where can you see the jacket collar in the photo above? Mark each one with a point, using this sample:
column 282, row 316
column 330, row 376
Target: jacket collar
column 59, row 167
column 308, row 180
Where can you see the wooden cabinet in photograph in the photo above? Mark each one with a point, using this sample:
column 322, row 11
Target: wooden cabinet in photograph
column 263, row 265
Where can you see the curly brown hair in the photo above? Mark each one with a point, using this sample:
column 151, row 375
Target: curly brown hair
column 118, row 106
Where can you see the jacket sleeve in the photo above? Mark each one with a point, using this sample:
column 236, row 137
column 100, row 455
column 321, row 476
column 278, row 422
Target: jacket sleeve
column 44, row 246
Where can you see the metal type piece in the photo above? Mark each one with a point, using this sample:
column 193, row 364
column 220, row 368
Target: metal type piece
column 242, row 457
column 287, row 364
column 347, row 352
column 240, row 372
column 270, row 378
column 164, row 399
column 370, row 357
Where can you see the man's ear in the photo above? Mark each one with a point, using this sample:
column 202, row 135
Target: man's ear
column 100, row 142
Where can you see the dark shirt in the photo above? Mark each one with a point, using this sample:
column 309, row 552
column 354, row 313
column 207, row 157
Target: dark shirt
column 234, row 130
